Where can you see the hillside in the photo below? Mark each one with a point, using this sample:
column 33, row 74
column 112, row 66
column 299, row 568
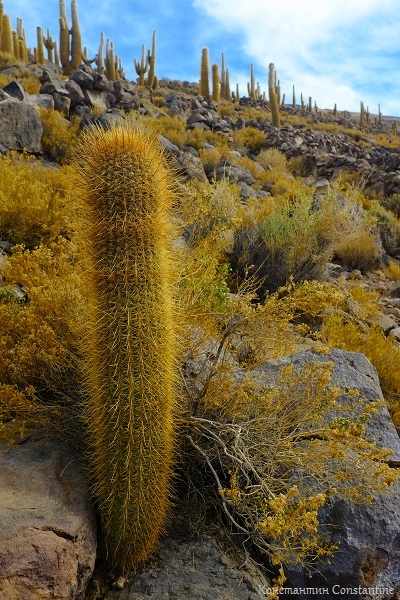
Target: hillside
column 286, row 241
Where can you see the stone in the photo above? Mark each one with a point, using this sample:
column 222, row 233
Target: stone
column 368, row 535
column 16, row 90
column 190, row 167
column 97, row 100
column 20, row 126
column 233, row 173
column 62, row 104
column 395, row 333
column 83, row 79
column 75, row 92
column 193, row 567
column 42, row 100
column 47, row 524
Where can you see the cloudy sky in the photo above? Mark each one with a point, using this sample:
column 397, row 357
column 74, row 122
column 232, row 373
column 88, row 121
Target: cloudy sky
column 336, row 51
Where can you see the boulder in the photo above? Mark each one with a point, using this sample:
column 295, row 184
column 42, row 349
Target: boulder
column 20, row 126
column 234, row 173
column 47, row 523
column 193, row 567
column 190, row 167
column 368, row 535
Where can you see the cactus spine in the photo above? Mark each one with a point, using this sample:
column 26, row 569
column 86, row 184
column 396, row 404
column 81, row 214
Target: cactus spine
column 130, row 346
column 273, row 99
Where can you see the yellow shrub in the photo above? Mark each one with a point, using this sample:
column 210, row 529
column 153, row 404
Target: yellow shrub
column 358, row 251
column 38, row 334
column 249, row 138
column 392, row 270
column 384, row 352
column 273, row 159
column 59, row 135
column 35, row 202
column 172, row 128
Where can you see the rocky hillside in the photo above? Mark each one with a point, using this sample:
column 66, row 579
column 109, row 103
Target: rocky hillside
column 288, row 245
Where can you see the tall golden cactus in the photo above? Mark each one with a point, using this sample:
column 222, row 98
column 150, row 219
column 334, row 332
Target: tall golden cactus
column 6, row 35
column 273, row 98
column 204, row 86
column 130, row 345
column 70, row 47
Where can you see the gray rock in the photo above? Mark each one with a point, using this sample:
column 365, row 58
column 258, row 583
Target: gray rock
column 394, row 289
column 234, row 173
column 194, row 568
column 47, row 524
column 75, row 92
column 62, row 104
column 16, row 90
column 395, row 333
column 20, row 126
column 190, row 167
column 369, row 553
column 246, row 191
column 97, row 99
column 169, row 146
column 42, row 100
column 83, row 79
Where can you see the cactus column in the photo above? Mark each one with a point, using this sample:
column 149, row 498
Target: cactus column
column 130, row 345
column 273, row 98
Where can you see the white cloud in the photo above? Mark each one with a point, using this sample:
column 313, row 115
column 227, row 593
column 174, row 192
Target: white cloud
column 334, row 50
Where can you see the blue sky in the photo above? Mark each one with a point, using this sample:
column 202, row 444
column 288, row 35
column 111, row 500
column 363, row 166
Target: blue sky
column 336, row 51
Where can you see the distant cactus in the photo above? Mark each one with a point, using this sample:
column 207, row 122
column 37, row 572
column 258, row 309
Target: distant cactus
column 223, row 76
column 110, row 61
column 294, row 99
column 152, row 62
column 6, row 35
column 130, row 345
column 204, row 87
column 143, row 66
column 70, row 49
column 49, row 44
column 251, row 87
column 40, row 46
column 362, row 114
column 273, row 99
column 216, row 84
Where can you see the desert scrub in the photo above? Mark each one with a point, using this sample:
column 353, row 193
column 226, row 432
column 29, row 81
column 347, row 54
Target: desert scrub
column 172, row 128
column 59, row 135
column 311, row 429
column 28, row 80
column 36, row 203
column 249, row 139
column 38, row 370
column 273, row 159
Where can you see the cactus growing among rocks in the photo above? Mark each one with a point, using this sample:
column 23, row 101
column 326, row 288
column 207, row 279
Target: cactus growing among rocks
column 130, row 346
column 70, row 50
column 273, row 98
column 204, row 87
column 143, row 66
